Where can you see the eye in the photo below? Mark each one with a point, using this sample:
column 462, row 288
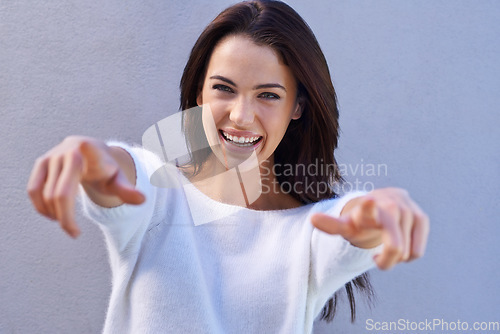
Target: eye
column 269, row 96
column 222, row 88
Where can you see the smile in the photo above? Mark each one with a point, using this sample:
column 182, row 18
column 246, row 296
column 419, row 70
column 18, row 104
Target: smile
column 240, row 141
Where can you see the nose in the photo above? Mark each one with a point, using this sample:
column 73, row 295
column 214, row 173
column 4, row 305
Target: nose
column 242, row 113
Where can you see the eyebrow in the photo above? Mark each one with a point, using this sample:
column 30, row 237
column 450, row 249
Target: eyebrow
column 268, row 85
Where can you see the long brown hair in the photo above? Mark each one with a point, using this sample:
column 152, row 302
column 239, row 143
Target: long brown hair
column 312, row 138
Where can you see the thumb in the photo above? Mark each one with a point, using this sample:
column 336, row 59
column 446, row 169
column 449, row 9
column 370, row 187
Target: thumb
column 122, row 188
column 331, row 225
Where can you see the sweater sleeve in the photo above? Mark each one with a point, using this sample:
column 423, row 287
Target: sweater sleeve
column 335, row 261
column 120, row 223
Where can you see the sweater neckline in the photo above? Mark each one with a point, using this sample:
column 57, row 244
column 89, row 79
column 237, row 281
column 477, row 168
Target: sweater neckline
column 213, row 204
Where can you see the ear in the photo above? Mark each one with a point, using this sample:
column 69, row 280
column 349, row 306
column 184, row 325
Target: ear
column 199, row 100
column 298, row 110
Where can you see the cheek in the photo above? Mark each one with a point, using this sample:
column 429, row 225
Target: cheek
column 277, row 121
column 221, row 111
column 209, row 125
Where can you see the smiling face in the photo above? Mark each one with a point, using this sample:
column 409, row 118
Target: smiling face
column 249, row 97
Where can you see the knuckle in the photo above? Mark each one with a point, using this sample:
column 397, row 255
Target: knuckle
column 40, row 160
column 403, row 192
column 49, row 197
column 394, row 250
column 385, row 266
column 32, row 191
column 75, row 153
column 415, row 255
column 422, row 218
column 53, row 161
column 60, row 196
column 75, row 156
column 419, row 217
column 406, row 256
column 392, row 207
column 82, row 144
column 59, row 159
column 70, row 138
column 398, row 191
column 406, row 213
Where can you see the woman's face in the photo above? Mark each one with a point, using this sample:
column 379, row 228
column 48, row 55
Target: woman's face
column 248, row 98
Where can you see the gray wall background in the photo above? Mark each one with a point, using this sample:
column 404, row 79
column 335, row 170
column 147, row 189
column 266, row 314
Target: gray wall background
column 418, row 88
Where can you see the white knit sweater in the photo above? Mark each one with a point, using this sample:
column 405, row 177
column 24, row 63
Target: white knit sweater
column 245, row 271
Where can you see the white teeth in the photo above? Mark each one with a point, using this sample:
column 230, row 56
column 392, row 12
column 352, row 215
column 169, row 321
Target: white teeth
column 241, row 140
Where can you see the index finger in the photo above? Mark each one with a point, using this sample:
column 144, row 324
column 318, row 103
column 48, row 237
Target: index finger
column 331, row 225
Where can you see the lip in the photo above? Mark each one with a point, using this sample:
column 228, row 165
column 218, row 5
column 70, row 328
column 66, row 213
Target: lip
column 239, row 149
column 239, row 133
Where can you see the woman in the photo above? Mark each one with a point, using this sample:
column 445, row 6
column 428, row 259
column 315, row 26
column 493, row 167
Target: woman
column 253, row 265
